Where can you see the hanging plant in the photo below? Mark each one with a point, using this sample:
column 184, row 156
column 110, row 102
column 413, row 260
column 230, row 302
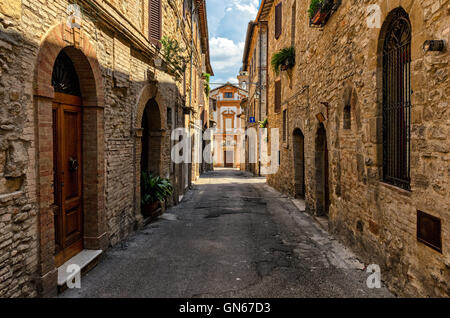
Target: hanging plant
column 264, row 123
column 207, row 78
column 283, row 59
column 173, row 55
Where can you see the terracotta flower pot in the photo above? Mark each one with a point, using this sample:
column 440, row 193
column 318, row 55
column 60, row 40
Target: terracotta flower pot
column 319, row 17
column 148, row 210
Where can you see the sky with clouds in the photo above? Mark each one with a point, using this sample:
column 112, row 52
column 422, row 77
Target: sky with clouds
column 227, row 24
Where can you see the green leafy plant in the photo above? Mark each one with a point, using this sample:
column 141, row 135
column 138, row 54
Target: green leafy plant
column 285, row 57
column 154, row 188
column 313, row 6
column 173, row 55
column 264, row 123
column 207, row 78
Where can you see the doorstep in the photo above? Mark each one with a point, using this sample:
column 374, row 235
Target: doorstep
column 300, row 204
column 85, row 259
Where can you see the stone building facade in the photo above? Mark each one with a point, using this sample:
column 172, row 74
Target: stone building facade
column 228, row 131
column 340, row 147
column 86, row 96
column 255, row 63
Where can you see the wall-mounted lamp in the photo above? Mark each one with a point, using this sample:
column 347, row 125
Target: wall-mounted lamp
column 320, row 117
column 433, row 45
column 327, row 105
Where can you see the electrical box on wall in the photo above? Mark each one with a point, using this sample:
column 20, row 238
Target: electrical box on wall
column 429, row 230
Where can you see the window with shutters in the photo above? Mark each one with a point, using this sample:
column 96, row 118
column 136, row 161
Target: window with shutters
column 154, row 24
column 277, row 101
column 284, row 124
column 397, row 101
column 278, row 20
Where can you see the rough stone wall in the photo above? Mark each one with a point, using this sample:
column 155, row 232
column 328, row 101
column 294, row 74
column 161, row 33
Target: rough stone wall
column 125, row 73
column 339, row 65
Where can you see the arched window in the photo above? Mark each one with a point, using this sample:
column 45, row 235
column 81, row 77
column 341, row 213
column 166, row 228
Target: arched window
column 347, row 117
column 397, row 100
column 64, row 76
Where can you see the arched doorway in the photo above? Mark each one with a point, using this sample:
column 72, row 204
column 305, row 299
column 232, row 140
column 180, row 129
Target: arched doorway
column 151, row 138
column 83, row 177
column 67, row 159
column 322, row 174
column 299, row 163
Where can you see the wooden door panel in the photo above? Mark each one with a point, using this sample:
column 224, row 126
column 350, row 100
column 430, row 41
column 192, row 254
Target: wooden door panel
column 229, row 159
column 72, row 150
column 72, row 225
column 68, row 179
column 72, row 174
column 56, row 181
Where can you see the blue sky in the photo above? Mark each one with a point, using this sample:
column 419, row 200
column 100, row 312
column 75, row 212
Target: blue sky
column 227, row 24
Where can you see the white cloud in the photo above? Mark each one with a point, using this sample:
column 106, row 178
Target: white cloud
column 228, row 25
column 225, row 53
column 250, row 7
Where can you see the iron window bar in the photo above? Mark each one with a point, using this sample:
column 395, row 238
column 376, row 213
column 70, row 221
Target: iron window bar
column 397, row 102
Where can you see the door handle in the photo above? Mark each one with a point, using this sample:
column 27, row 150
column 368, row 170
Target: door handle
column 73, row 164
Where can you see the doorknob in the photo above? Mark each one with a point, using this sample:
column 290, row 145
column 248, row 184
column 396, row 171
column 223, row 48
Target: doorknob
column 73, row 164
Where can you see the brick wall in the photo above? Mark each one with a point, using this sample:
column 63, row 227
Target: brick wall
column 123, row 79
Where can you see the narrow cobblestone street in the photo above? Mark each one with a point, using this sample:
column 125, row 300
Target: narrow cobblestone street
column 232, row 236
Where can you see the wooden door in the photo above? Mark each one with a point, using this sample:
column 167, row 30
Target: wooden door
column 67, row 160
column 228, row 158
column 326, row 177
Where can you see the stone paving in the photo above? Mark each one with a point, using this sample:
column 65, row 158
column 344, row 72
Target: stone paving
column 232, row 236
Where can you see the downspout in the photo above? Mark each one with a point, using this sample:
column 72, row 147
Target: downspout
column 260, row 82
column 190, row 82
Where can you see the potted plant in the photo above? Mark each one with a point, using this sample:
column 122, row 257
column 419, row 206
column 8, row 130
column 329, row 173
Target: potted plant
column 320, row 10
column 283, row 59
column 173, row 55
column 207, row 78
column 154, row 191
column 263, row 124
column 188, row 110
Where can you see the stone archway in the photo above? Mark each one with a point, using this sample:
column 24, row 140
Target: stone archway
column 149, row 125
column 322, row 173
column 82, row 54
column 299, row 164
column 151, row 138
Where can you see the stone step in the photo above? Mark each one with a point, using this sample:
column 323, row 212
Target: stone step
column 300, row 204
column 82, row 259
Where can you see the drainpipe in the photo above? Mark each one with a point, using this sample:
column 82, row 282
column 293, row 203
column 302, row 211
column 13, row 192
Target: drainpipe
column 190, row 76
column 259, row 83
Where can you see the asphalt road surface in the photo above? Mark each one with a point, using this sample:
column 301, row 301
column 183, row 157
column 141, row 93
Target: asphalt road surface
column 232, row 236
